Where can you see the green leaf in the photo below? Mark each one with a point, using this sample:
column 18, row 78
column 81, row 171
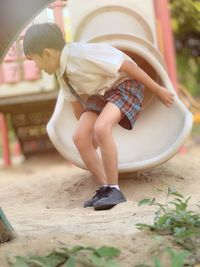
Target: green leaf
column 70, row 263
column 108, row 252
column 146, row 201
column 157, row 262
column 95, row 260
column 186, row 233
column 163, row 220
column 39, row 261
column 111, row 263
column 20, row 262
column 141, row 226
column 142, row 265
column 63, row 252
column 102, row 262
column 179, row 230
column 175, row 193
column 187, row 200
column 177, row 258
column 77, row 248
column 56, row 259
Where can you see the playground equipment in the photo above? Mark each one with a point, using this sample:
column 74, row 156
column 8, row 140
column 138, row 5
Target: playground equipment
column 160, row 131
column 27, row 98
column 6, row 230
column 10, row 29
column 132, row 28
column 125, row 24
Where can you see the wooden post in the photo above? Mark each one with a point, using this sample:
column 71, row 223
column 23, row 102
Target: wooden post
column 57, row 10
column 5, row 140
column 163, row 17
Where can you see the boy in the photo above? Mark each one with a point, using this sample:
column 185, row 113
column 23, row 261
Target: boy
column 111, row 85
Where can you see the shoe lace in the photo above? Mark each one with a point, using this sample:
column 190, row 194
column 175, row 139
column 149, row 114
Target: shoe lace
column 108, row 191
column 101, row 191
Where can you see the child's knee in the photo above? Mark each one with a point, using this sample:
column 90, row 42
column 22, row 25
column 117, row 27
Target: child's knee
column 81, row 139
column 101, row 131
column 77, row 138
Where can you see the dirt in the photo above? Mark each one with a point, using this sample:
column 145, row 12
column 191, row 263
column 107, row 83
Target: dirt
column 43, row 198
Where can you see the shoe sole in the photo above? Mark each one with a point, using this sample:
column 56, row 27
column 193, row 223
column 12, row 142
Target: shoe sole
column 91, row 204
column 87, row 206
column 107, row 206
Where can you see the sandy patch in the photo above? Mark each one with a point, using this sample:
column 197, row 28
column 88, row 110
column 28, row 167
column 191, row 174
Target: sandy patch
column 43, row 198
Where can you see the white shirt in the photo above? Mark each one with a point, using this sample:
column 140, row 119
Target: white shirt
column 91, row 68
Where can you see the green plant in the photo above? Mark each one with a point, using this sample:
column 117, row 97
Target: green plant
column 65, row 257
column 175, row 219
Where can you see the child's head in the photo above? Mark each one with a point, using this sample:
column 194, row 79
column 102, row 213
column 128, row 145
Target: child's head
column 43, row 43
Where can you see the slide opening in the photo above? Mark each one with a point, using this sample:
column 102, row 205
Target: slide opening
column 147, row 67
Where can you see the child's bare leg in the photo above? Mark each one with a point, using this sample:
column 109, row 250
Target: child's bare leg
column 109, row 117
column 84, row 141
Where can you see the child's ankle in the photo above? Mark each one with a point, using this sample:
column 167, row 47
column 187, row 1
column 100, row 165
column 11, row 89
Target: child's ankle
column 114, row 186
column 104, row 185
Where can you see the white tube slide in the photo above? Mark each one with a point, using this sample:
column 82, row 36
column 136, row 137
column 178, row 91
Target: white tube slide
column 159, row 132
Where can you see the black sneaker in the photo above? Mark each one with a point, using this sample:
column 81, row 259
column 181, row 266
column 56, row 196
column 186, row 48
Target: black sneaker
column 112, row 197
column 99, row 193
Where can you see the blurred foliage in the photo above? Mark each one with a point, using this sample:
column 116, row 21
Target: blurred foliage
column 186, row 26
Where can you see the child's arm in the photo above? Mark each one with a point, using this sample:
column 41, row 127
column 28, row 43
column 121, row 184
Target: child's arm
column 137, row 73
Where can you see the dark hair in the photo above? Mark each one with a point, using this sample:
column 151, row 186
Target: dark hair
column 41, row 36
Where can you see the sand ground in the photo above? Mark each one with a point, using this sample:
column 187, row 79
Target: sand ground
column 43, row 198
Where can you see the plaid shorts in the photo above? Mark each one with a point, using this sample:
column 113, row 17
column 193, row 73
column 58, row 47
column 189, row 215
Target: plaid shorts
column 127, row 96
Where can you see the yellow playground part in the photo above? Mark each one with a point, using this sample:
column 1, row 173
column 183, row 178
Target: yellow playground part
column 190, row 102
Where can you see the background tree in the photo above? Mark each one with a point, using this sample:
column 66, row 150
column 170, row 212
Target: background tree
column 186, row 26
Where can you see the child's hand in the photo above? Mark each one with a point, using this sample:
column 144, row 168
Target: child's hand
column 165, row 96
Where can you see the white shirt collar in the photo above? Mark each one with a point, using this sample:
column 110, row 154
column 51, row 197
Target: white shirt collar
column 63, row 61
